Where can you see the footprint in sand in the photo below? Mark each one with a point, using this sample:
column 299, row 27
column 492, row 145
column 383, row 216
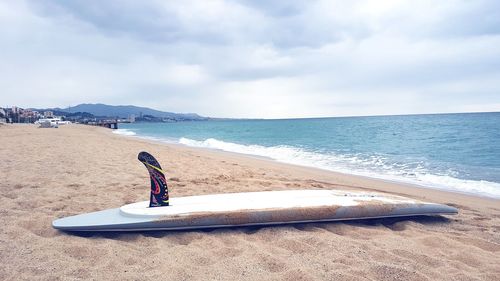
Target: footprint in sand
column 396, row 226
column 294, row 246
column 39, row 227
column 184, row 238
column 389, row 272
column 10, row 195
column 480, row 243
column 226, row 252
column 271, row 264
column 298, row 275
column 84, row 252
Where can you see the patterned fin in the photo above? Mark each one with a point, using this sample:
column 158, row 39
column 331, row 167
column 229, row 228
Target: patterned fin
column 159, row 188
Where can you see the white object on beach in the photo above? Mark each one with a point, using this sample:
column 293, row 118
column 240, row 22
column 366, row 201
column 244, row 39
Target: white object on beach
column 51, row 122
column 45, row 124
column 251, row 208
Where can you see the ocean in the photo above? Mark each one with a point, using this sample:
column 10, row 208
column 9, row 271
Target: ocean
column 455, row 152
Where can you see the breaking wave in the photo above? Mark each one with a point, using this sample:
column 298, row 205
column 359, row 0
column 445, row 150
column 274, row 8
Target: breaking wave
column 124, row 132
column 377, row 166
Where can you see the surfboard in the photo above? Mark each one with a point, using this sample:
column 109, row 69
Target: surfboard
column 251, row 208
column 242, row 209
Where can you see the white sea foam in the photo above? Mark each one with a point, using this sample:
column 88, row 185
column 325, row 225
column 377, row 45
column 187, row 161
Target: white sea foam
column 373, row 166
column 124, row 132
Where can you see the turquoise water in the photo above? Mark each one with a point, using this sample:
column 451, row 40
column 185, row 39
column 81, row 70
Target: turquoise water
column 458, row 152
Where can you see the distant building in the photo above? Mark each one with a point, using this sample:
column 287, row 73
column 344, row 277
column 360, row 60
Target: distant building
column 131, row 118
column 3, row 116
column 14, row 114
column 48, row 114
column 28, row 113
column 28, row 116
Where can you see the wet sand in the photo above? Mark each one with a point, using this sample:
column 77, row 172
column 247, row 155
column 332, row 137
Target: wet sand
column 52, row 173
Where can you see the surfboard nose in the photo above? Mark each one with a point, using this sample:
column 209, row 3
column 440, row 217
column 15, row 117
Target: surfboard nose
column 445, row 209
column 63, row 223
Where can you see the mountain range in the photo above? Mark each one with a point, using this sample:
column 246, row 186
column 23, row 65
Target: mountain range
column 125, row 111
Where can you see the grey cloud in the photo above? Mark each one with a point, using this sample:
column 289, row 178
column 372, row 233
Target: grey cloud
column 278, row 8
column 317, row 58
column 477, row 18
column 116, row 18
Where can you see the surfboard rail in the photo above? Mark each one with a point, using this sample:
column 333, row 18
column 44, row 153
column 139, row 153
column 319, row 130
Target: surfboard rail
column 252, row 208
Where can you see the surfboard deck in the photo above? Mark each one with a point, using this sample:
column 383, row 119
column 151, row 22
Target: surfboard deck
column 251, row 208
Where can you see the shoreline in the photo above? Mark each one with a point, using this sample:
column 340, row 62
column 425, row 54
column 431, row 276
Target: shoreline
column 52, row 173
column 412, row 188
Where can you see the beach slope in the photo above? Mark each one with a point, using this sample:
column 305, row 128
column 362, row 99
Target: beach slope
column 52, row 173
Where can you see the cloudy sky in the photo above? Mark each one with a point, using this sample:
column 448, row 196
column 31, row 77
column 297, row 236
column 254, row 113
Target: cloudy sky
column 264, row 59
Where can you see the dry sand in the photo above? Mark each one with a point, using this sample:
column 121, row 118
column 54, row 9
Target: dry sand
column 52, row 173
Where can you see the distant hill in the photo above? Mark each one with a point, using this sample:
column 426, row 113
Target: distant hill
column 124, row 111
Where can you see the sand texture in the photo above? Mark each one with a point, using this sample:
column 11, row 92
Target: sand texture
column 51, row 173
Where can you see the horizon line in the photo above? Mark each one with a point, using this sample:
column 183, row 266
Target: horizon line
column 283, row 118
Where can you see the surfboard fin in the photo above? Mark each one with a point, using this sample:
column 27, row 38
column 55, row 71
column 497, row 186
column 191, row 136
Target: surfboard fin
column 159, row 188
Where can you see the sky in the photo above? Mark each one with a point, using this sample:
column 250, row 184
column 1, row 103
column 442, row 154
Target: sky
column 253, row 59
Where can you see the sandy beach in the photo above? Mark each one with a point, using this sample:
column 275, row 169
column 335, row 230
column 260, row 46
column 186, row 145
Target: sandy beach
column 52, row 173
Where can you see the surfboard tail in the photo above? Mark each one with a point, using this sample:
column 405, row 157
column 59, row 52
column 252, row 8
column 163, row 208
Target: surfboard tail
column 159, row 188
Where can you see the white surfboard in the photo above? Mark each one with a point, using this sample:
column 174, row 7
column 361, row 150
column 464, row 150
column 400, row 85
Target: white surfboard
column 251, row 208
